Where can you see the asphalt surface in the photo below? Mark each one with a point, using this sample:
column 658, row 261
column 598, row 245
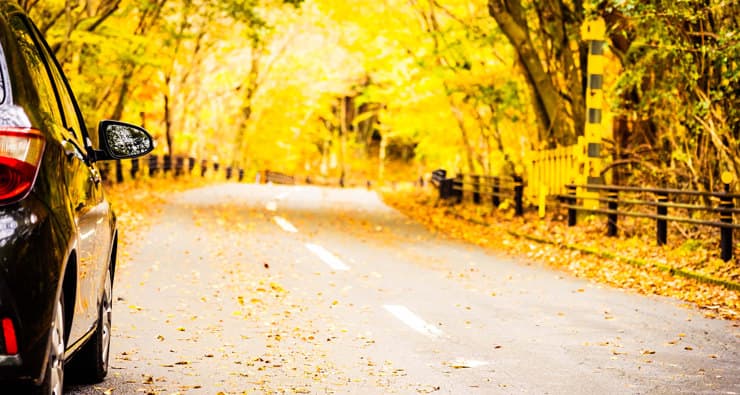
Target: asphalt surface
column 281, row 290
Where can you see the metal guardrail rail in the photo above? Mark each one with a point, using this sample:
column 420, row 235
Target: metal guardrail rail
column 610, row 200
column 278, row 178
column 154, row 165
column 659, row 199
column 443, row 184
column 495, row 189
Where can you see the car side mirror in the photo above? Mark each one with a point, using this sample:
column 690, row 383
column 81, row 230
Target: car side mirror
column 120, row 140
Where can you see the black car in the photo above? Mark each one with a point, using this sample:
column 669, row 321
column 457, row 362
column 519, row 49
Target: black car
column 58, row 235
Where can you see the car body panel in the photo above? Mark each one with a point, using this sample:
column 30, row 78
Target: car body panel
column 64, row 228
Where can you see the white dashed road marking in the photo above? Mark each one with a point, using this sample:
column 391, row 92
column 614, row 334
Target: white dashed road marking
column 460, row 363
column 283, row 223
column 414, row 321
column 326, row 256
column 272, row 205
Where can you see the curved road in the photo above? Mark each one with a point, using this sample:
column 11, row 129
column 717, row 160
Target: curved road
column 282, row 290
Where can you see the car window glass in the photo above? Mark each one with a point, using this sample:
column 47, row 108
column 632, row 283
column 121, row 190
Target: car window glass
column 66, row 98
column 4, row 88
column 37, row 69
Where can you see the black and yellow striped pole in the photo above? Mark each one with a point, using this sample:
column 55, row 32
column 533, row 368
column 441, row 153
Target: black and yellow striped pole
column 593, row 32
column 727, row 205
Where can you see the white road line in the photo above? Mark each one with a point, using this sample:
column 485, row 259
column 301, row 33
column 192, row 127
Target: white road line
column 460, row 363
column 283, row 223
column 412, row 320
column 272, row 205
column 326, row 256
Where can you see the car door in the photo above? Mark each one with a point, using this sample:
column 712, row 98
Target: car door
column 83, row 183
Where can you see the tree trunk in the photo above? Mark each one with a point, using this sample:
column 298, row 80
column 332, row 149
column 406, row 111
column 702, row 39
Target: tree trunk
column 343, row 132
column 469, row 151
column 250, row 87
column 168, row 122
column 381, row 157
column 549, row 106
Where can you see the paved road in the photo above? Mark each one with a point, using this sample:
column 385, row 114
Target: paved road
column 284, row 290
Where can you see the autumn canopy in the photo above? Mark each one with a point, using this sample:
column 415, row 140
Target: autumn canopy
column 393, row 89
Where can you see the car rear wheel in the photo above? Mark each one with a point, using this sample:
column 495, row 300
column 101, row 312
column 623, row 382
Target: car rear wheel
column 53, row 382
column 91, row 364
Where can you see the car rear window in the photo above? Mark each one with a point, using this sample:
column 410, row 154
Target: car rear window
column 32, row 83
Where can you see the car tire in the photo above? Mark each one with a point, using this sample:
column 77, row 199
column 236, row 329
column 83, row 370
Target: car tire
column 53, row 380
column 90, row 365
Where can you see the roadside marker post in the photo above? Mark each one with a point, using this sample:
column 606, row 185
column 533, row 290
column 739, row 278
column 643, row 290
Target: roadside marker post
column 727, row 203
column 594, row 33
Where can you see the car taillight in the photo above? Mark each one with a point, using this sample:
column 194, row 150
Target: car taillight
column 10, row 342
column 20, row 155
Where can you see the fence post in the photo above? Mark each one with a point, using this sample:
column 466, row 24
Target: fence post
column 191, row 165
column 458, row 183
column 476, row 189
column 119, row 171
column 104, row 169
column 134, row 167
column 542, row 201
column 726, row 202
column 572, row 200
column 153, row 165
column 167, row 165
column 179, row 165
column 496, row 190
column 519, row 195
column 203, row 167
column 229, row 170
column 612, row 205
column 662, row 224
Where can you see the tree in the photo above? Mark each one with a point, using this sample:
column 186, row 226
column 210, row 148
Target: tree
column 678, row 100
column 544, row 36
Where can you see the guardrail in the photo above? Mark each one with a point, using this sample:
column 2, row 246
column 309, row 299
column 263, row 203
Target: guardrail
column 183, row 166
column 614, row 197
column 155, row 165
column 609, row 200
column 444, row 184
column 278, row 178
column 494, row 189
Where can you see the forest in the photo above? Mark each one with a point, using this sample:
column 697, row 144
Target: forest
column 393, row 89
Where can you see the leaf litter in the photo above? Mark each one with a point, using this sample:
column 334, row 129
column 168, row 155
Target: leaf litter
column 489, row 228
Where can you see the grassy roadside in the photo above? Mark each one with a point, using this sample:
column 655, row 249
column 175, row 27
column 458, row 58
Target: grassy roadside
column 631, row 261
